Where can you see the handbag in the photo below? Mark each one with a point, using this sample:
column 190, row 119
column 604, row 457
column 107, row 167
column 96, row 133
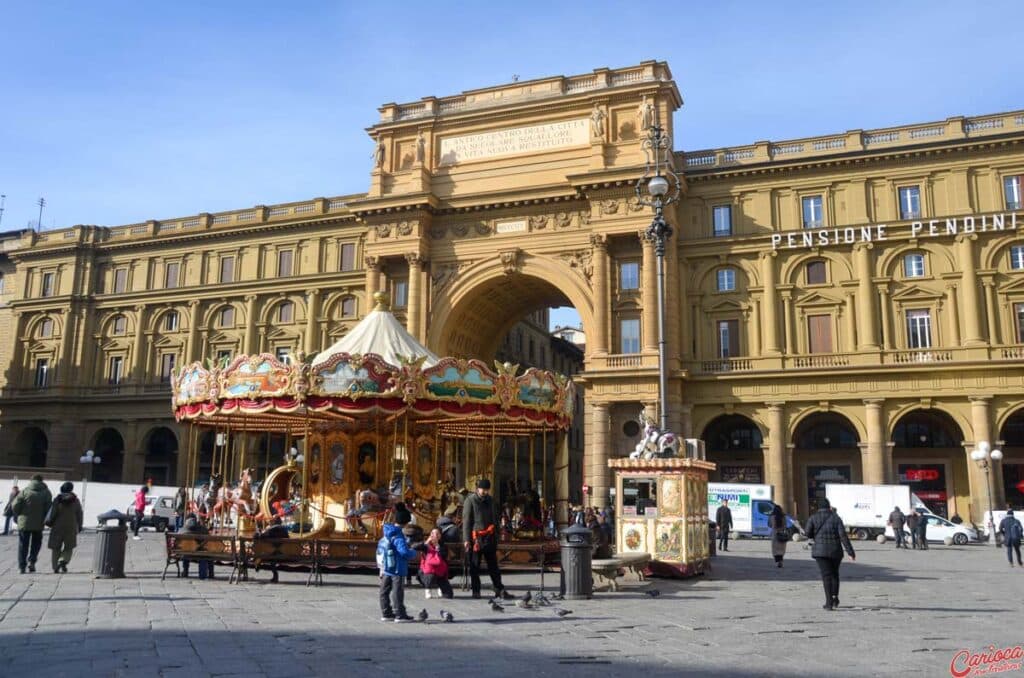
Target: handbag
column 783, row 535
column 51, row 515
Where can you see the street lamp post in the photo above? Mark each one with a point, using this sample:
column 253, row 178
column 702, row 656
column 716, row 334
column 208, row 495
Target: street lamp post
column 88, row 459
column 985, row 457
column 658, row 188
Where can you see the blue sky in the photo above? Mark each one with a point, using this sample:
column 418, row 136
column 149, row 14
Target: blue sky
column 118, row 112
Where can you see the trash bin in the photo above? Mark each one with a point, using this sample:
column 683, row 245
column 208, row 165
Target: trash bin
column 577, row 579
column 712, row 538
column 108, row 556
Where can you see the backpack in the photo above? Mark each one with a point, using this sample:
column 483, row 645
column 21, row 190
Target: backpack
column 1016, row 531
column 387, row 560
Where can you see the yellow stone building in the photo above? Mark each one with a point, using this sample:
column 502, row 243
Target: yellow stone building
column 842, row 308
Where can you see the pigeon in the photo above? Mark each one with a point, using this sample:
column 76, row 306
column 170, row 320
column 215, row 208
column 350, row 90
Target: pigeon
column 557, row 596
column 422, row 616
column 653, row 593
column 524, row 604
column 541, row 599
column 561, row 613
column 496, row 608
column 447, row 616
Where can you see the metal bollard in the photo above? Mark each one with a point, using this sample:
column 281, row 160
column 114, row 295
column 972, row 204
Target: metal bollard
column 577, row 578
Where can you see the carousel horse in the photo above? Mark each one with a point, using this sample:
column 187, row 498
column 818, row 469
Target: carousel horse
column 655, row 443
column 210, row 501
column 239, row 498
column 326, row 529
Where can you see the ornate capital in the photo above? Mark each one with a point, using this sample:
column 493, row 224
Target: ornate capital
column 372, row 262
column 415, row 259
column 250, row 298
column 599, row 241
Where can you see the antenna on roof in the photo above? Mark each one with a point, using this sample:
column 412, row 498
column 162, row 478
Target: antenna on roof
column 3, row 199
column 515, row 78
column 39, row 224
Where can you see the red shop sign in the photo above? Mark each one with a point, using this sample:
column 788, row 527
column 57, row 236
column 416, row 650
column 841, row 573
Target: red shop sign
column 922, row 474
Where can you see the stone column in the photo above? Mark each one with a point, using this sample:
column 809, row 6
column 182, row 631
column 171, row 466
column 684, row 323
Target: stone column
column 602, row 303
column 787, row 322
column 19, row 374
column 775, row 458
column 868, row 337
column 673, row 303
column 682, row 307
column 873, row 453
column 953, row 315
column 850, row 327
column 84, row 353
column 192, row 348
column 990, row 312
column 372, row 281
column 969, row 290
column 250, row 346
column 755, row 328
column 883, row 298
column 312, row 313
column 65, row 369
column 598, row 475
column 980, row 483
column 138, row 354
column 770, row 305
column 649, row 298
column 415, row 301
column 562, row 480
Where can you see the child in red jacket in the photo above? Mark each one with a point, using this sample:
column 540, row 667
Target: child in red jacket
column 434, row 567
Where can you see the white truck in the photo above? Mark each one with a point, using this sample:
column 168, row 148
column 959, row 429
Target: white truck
column 865, row 509
column 750, row 506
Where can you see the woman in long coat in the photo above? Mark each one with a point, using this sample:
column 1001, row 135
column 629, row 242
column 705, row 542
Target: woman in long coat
column 780, row 534
column 65, row 521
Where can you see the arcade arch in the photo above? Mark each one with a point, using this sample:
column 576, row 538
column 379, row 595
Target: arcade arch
column 1011, row 437
column 928, row 455
column 826, row 449
column 108, row 445
column 161, row 463
column 734, row 443
column 31, row 446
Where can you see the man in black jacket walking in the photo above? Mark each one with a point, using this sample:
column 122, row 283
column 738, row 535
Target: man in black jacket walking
column 830, row 539
column 480, row 537
column 723, row 517
column 897, row 520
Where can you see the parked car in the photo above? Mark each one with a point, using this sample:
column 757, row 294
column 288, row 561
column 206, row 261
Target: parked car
column 158, row 514
column 939, row 529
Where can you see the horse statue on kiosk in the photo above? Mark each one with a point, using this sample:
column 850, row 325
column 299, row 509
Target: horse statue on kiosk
column 655, row 443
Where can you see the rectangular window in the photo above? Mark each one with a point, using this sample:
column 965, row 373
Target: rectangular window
column 816, row 273
column 282, row 353
column 227, row 269
column 1017, row 257
column 348, row 257
column 728, row 338
column 46, row 328
column 910, row 202
column 913, row 265
column 167, row 361
column 42, row 372
column 401, row 290
column 171, row 272
column 47, row 289
column 726, row 280
column 227, row 317
column 919, row 329
column 286, row 312
column 284, row 263
column 722, row 220
column 1011, row 190
column 348, row 307
column 120, row 325
column 629, row 275
column 222, row 356
column 115, row 369
column 819, row 333
column 814, row 216
column 120, row 280
column 630, row 339
column 171, row 321
column 1018, row 312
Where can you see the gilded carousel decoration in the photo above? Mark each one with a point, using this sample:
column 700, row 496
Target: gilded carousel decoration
column 370, row 421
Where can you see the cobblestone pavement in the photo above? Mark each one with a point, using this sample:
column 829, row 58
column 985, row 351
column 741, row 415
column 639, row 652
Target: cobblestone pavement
column 904, row 612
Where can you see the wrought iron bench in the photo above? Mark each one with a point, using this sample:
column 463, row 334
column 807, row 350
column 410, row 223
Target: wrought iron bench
column 213, row 548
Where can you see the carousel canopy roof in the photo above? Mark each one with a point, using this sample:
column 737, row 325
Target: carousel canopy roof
column 381, row 334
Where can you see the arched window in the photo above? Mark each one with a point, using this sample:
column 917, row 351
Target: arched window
column 913, row 265
column 726, row 280
column 119, row 325
column 226, row 317
column 286, row 312
column 45, row 328
column 816, row 273
column 348, row 307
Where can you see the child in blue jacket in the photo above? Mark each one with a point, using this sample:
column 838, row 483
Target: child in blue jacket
column 393, row 554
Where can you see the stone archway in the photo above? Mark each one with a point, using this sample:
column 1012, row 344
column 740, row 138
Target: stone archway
column 472, row 317
column 928, row 455
column 1011, row 437
column 108, row 445
column 161, row 462
column 826, row 449
column 734, row 443
column 31, row 446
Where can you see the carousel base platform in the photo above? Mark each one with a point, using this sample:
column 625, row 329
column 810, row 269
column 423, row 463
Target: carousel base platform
column 319, row 555
column 669, row 569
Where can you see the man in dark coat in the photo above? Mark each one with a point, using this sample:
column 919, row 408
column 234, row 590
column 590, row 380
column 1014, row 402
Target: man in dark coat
column 830, row 539
column 897, row 520
column 31, row 506
column 922, row 533
column 1012, row 532
column 912, row 521
column 723, row 517
column 480, row 537
column 65, row 522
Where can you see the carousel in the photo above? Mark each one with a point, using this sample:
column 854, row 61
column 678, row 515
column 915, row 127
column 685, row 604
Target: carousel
column 374, row 420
